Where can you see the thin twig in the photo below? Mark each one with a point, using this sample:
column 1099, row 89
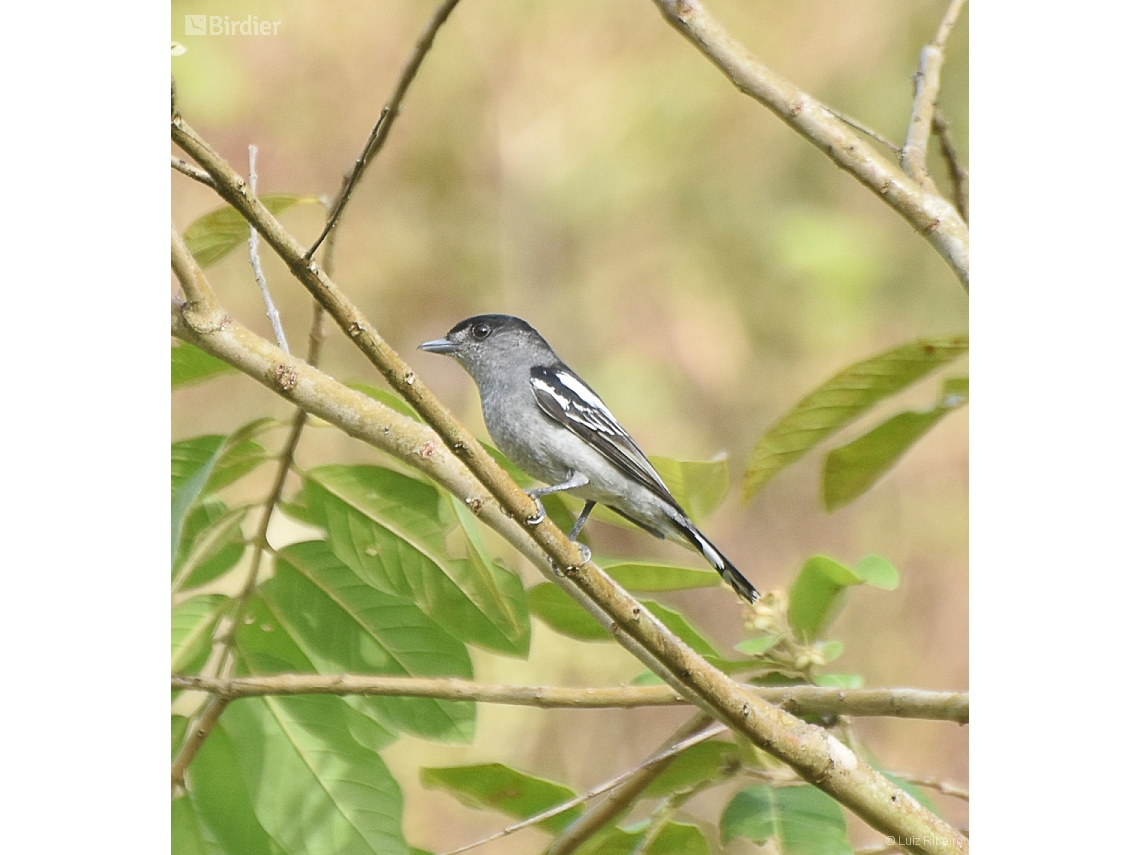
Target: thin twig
column 196, row 735
column 349, row 183
column 928, row 80
column 388, row 115
column 192, row 171
column 621, row 797
column 668, row 753
column 255, row 262
column 801, row 700
column 662, row 815
column 944, row 787
column 959, row 176
column 864, row 129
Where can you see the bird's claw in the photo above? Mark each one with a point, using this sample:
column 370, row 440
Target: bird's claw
column 540, row 513
column 585, row 550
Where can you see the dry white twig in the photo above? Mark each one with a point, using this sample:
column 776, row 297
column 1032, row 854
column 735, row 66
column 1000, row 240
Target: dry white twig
column 928, row 81
column 255, row 262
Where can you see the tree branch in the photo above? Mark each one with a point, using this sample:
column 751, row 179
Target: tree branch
column 944, row 787
column 816, row 755
column 801, row 700
column 255, row 262
column 928, row 81
column 195, row 738
column 622, row 796
column 666, row 754
column 388, row 114
column 191, row 171
column 930, row 214
column 959, row 175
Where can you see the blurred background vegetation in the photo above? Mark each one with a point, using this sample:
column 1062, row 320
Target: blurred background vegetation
column 703, row 267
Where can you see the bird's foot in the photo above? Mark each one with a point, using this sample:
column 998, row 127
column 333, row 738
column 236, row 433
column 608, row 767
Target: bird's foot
column 540, row 511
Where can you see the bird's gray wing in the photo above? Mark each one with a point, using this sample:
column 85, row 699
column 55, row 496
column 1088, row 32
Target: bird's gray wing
column 566, row 398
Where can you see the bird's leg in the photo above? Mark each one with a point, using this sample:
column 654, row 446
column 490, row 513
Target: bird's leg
column 576, row 479
column 578, row 523
column 581, row 521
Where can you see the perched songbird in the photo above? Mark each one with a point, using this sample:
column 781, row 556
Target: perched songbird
column 553, row 426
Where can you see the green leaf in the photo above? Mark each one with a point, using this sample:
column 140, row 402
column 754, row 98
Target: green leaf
column 695, row 765
column 758, row 646
column 839, row 681
column 651, row 576
column 207, row 463
column 821, row 585
column 817, row 594
column 212, row 543
column 292, row 763
column 179, row 724
column 646, row 678
column 679, row 838
column 189, row 365
column 802, row 820
column 483, row 573
column 390, row 530
column 388, row 398
column 222, row 801
column 852, row 469
column 674, row 838
column 187, row 491
column 493, row 785
column 831, row 650
column 213, row 236
column 239, row 455
column 698, row 485
column 556, row 609
column 842, row 399
column 265, row 646
column 187, row 836
column 679, row 625
column 877, row 572
column 191, row 631
column 343, row 624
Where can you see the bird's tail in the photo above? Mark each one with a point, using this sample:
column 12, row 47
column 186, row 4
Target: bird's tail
column 717, row 559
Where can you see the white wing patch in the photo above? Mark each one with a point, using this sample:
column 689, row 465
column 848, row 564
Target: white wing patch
column 564, row 397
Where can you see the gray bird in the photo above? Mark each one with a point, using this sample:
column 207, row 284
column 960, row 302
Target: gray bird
column 554, row 427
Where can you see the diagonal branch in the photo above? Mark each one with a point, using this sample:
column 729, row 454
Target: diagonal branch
column 625, row 794
column 816, row 756
column 959, row 175
column 388, row 114
column 191, row 171
column 930, row 214
column 927, row 82
column 660, row 757
column 195, row 736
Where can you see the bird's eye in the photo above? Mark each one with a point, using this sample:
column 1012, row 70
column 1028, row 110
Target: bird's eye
column 480, row 331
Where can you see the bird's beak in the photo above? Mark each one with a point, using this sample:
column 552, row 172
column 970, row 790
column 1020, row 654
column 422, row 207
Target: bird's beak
column 439, row 345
